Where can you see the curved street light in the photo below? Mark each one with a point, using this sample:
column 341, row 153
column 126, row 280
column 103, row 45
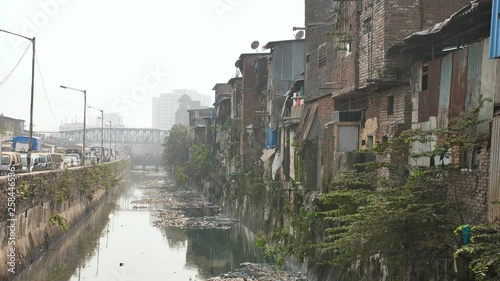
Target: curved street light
column 84, row 117
column 102, row 129
column 28, row 169
column 110, row 124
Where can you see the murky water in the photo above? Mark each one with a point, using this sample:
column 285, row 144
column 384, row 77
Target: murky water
column 119, row 243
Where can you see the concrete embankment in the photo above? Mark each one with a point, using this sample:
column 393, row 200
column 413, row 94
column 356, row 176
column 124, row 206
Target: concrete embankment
column 39, row 208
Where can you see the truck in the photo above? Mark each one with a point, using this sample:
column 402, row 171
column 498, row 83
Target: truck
column 21, row 143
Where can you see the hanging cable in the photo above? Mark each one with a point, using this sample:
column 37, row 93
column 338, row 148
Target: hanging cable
column 45, row 91
column 15, row 67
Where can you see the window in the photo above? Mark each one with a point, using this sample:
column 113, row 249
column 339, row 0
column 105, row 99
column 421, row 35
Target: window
column 348, row 47
column 367, row 26
column 322, row 55
column 390, row 105
column 469, row 159
column 425, row 77
column 307, row 58
column 370, row 141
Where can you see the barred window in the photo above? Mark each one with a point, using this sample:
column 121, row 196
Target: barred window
column 322, row 55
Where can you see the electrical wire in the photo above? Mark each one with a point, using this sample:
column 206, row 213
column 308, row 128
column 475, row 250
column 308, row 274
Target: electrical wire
column 45, row 91
column 15, row 67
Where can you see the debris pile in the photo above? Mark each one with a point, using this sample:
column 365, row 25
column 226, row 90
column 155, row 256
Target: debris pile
column 259, row 272
column 172, row 206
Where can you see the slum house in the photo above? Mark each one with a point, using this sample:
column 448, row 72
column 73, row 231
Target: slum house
column 233, row 125
column 222, row 123
column 451, row 70
column 253, row 68
column 200, row 124
column 317, row 77
column 285, row 68
column 11, row 126
column 369, row 87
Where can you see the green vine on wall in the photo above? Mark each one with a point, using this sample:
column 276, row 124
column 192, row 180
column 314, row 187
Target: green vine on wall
column 57, row 219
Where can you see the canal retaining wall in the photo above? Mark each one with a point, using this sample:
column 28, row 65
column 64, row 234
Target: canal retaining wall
column 39, row 208
column 272, row 211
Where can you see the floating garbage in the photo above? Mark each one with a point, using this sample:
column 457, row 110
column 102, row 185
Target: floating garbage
column 259, row 272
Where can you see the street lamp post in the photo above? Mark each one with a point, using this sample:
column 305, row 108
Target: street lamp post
column 109, row 135
column 102, row 129
column 84, row 117
column 32, row 94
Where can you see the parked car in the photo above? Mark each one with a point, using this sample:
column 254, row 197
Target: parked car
column 11, row 160
column 77, row 156
column 57, row 161
column 70, row 161
column 42, row 159
column 35, row 162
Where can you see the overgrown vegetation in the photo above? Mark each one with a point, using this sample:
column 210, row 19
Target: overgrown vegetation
column 176, row 152
column 61, row 188
column 483, row 252
column 398, row 215
column 57, row 219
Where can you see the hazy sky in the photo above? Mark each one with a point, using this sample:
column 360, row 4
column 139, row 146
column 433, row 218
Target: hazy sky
column 125, row 52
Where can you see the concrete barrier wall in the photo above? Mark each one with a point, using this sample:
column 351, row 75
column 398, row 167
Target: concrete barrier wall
column 65, row 196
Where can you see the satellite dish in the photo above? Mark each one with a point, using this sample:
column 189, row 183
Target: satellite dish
column 255, row 45
column 237, row 63
column 299, row 34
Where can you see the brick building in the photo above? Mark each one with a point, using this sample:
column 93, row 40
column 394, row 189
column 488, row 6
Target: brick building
column 347, row 61
column 251, row 100
column 446, row 81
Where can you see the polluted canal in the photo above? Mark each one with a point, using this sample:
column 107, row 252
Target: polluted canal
column 147, row 231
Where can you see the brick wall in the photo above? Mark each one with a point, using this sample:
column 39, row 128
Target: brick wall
column 346, row 29
column 392, row 124
column 318, row 11
column 470, row 188
column 438, row 11
column 325, row 109
column 325, row 141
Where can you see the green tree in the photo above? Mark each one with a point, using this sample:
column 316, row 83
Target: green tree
column 483, row 252
column 406, row 221
column 176, row 147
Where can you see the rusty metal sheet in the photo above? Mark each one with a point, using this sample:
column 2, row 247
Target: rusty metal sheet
column 475, row 57
column 458, row 83
column 434, row 78
column 487, row 87
column 494, row 185
column 308, row 121
column 423, row 106
column 444, row 90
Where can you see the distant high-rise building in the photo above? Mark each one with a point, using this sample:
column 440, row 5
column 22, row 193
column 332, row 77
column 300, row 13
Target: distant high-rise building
column 115, row 118
column 165, row 106
column 185, row 104
column 156, row 113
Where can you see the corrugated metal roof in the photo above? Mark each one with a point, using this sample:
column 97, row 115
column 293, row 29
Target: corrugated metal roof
column 474, row 18
column 271, row 44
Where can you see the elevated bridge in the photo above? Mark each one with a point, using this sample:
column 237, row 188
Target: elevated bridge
column 116, row 135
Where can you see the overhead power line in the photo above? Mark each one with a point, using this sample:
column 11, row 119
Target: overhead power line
column 15, row 67
column 45, row 91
